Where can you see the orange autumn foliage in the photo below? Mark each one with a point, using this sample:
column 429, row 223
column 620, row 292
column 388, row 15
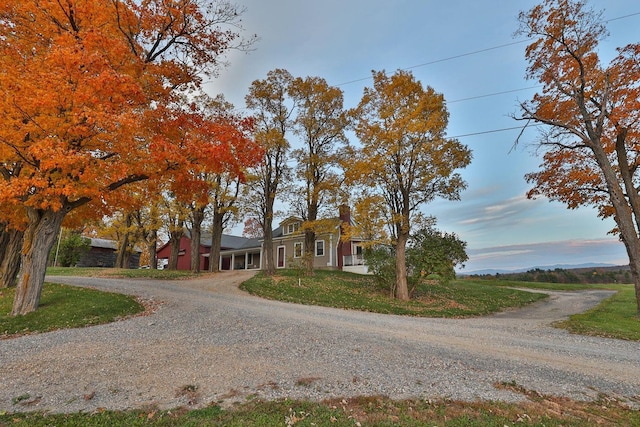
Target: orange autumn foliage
column 85, row 84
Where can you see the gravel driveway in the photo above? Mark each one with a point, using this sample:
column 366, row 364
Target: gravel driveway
column 210, row 342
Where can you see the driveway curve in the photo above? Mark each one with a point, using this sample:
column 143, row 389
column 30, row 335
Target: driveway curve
column 210, row 342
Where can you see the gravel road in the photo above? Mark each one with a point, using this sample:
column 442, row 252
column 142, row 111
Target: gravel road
column 210, row 342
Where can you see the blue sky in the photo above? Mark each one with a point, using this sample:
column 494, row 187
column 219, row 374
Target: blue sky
column 464, row 50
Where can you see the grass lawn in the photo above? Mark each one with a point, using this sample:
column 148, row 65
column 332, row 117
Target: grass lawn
column 363, row 411
column 461, row 298
column 615, row 317
column 121, row 273
column 65, row 307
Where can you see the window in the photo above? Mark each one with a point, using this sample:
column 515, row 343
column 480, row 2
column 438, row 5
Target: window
column 297, row 249
column 319, row 247
column 293, row 227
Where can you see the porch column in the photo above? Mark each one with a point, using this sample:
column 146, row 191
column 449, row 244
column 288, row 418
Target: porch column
column 246, row 260
column 331, row 250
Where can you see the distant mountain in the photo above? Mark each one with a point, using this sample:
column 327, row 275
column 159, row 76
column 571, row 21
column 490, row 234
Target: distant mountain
column 544, row 268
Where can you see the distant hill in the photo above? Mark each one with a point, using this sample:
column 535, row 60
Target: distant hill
column 561, row 273
column 545, row 267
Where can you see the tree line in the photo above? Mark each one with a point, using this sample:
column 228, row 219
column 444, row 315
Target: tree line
column 600, row 275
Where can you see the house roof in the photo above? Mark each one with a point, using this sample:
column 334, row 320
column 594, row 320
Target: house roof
column 230, row 242
column 103, row 243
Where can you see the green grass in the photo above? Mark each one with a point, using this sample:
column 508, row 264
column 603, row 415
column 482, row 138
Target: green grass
column 65, row 307
column 461, row 298
column 366, row 411
column 121, row 273
column 615, row 317
column 546, row 286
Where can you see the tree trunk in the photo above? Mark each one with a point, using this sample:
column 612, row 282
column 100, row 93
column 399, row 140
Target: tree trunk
column 152, row 248
column 39, row 238
column 122, row 260
column 402, row 288
column 124, row 254
column 4, row 239
column 10, row 258
column 309, row 250
column 269, row 266
column 216, row 242
column 626, row 216
column 196, row 232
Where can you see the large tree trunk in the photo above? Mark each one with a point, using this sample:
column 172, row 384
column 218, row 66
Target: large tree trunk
column 310, row 236
column 10, row 257
column 4, row 239
column 627, row 215
column 402, row 288
column 309, row 250
column 39, row 238
column 633, row 250
column 196, row 232
column 216, row 242
column 269, row 266
column 124, row 252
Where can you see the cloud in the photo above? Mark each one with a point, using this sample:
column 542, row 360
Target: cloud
column 524, row 256
column 502, row 211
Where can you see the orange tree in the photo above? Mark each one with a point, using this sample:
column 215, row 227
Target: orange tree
column 83, row 82
column 406, row 159
column 590, row 115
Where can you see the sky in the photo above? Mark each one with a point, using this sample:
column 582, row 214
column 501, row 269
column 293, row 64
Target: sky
column 467, row 51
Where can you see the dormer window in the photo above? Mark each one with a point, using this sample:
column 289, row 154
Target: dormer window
column 293, row 227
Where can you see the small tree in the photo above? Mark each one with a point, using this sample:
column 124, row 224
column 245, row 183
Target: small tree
column 72, row 248
column 381, row 263
column 431, row 254
column 435, row 254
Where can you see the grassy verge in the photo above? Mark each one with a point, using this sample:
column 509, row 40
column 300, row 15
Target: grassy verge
column 121, row 273
column 615, row 317
column 363, row 411
column 65, row 307
column 546, row 286
column 356, row 292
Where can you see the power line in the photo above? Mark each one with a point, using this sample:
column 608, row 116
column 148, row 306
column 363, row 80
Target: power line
column 622, row 17
column 449, row 58
column 487, row 131
column 493, row 94
column 475, row 52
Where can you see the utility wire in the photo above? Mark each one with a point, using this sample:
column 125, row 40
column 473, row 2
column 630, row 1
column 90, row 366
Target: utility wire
column 449, row 58
column 486, row 131
column 493, row 94
column 622, row 17
column 475, row 52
